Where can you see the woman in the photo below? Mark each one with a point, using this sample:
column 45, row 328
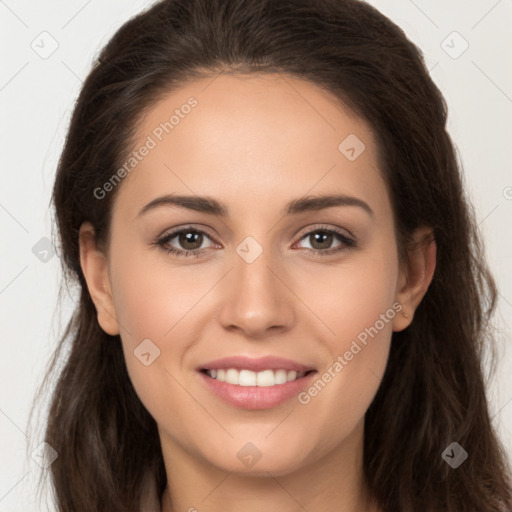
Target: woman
column 262, row 373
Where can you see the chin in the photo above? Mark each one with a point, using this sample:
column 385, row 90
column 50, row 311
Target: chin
column 249, row 460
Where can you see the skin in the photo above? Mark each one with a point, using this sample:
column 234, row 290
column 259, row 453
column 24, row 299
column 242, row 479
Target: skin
column 254, row 143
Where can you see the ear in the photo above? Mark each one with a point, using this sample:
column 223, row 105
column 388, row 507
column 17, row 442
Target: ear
column 414, row 281
column 95, row 269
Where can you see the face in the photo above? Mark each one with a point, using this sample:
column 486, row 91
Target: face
column 301, row 295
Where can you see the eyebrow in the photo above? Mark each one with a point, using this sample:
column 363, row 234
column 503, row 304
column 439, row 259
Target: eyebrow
column 211, row 206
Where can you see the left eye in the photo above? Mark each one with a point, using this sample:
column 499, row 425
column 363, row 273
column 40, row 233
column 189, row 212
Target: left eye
column 323, row 238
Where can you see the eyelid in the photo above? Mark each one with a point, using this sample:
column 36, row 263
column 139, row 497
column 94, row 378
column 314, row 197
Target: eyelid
column 187, row 227
column 326, row 227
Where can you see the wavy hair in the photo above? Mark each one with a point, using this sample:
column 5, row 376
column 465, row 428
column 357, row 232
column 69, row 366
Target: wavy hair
column 433, row 390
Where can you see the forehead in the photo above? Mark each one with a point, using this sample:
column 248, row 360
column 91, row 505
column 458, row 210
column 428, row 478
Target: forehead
column 250, row 137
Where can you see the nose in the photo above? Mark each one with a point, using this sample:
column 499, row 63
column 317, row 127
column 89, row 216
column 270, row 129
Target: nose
column 256, row 298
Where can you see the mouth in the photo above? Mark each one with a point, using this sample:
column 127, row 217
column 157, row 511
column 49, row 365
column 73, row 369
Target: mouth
column 256, row 383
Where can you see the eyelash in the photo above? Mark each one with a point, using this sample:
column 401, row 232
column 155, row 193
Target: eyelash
column 347, row 243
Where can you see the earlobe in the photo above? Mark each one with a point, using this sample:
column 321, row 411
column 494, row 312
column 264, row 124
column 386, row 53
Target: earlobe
column 95, row 269
column 414, row 281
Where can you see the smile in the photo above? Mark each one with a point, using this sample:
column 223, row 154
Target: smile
column 265, row 378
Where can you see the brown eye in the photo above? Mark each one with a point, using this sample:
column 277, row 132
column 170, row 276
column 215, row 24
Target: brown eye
column 190, row 240
column 185, row 242
column 321, row 241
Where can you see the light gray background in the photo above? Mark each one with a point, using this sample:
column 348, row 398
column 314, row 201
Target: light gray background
column 37, row 92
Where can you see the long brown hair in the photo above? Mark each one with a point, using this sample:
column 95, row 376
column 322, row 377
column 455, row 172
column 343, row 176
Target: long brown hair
column 432, row 393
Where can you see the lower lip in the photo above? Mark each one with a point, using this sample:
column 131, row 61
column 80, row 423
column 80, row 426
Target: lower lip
column 256, row 397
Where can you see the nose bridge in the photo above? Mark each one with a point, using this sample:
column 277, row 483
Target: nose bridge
column 255, row 299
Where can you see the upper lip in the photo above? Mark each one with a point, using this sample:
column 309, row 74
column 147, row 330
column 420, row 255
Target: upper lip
column 256, row 364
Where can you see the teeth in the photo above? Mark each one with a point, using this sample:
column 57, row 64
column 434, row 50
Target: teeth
column 264, row 378
column 280, row 376
column 232, row 376
column 247, row 378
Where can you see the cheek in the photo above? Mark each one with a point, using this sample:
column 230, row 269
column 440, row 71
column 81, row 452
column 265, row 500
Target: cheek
column 159, row 308
column 151, row 298
column 360, row 321
column 145, row 310
column 354, row 295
